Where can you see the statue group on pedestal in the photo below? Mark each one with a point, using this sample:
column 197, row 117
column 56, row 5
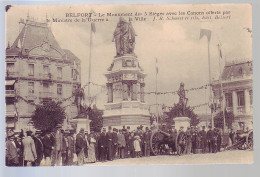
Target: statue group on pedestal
column 124, row 37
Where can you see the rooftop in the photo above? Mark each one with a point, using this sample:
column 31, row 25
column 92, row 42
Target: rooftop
column 37, row 40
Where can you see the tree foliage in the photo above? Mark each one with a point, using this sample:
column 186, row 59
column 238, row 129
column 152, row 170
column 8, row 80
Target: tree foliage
column 219, row 119
column 95, row 115
column 177, row 110
column 48, row 116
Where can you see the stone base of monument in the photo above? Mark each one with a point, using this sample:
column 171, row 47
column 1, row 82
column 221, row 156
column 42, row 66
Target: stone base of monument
column 82, row 123
column 181, row 121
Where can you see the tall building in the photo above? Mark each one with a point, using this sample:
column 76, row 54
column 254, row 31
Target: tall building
column 126, row 104
column 37, row 71
column 237, row 86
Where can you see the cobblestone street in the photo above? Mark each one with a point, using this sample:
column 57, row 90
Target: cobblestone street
column 236, row 156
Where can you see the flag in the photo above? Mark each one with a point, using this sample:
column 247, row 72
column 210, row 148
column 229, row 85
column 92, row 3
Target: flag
column 93, row 27
column 156, row 65
column 206, row 32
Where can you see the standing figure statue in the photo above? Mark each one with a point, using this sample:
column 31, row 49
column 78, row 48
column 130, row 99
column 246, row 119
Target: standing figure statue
column 124, row 37
column 182, row 99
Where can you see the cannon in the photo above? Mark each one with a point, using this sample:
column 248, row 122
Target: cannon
column 162, row 142
column 244, row 140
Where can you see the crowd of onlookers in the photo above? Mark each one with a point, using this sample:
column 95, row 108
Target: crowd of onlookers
column 58, row 147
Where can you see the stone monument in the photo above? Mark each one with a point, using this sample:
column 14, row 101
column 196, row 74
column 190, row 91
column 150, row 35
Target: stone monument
column 125, row 83
column 182, row 119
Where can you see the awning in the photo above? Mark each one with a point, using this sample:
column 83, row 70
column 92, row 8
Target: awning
column 9, row 82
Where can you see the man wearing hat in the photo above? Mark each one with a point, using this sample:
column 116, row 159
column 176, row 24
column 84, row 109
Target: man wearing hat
column 173, row 135
column 11, row 150
column 70, row 148
column 147, row 136
column 114, row 141
column 211, row 139
column 80, row 146
column 110, row 143
column 203, row 135
column 180, row 141
column 58, row 144
column 29, row 152
column 127, row 135
column 232, row 135
column 102, row 143
column 38, row 146
column 47, row 147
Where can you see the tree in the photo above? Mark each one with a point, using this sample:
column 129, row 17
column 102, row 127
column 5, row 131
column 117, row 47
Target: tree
column 219, row 119
column 95, row 115
column 177, row 110
column 48, row 116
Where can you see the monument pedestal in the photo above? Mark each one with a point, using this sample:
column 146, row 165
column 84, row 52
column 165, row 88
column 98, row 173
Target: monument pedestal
column 82, row 122
column 182, row 121
column 126, row 105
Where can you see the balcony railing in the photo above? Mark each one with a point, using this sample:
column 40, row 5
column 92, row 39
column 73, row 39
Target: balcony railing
column 46, row 94
column 241, row 110
column 9, row 93
column 10, row 110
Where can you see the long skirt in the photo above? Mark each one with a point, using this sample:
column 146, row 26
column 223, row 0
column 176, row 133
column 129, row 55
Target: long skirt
column 91, row 153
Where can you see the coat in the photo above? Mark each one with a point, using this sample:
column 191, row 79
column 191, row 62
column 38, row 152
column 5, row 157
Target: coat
column 58, row 140
column 80, row 143
column 11, row 153
column 38, row 147
column 121, row 140
column 71, row 146
column 47, row 146
column 29, row 152
column 102, row 140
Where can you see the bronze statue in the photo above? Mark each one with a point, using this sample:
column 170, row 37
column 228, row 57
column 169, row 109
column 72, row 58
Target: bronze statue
column 182, row 98
column 124, row 37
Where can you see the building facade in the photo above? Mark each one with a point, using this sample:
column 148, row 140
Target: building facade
column 37, row 71
column 237, row 86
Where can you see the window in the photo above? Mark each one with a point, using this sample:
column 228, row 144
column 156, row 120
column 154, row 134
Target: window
column 59, row 70
column 31, row 69
column 9, row 100
column 74, row 74
column 30, row 106
column 45, row 87
column 46, row 69
column 240, row 98
column 10, row 67
column 229, row 101
column 251, row 96
column 30, row 87
column 59, row 89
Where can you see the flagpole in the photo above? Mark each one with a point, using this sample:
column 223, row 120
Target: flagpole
column 221, row 91
column 89, row 72
column 210, row 91
column 156, row 99
column 89, row 62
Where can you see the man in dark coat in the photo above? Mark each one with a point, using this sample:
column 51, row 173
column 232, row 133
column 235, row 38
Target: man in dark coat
column 203, row 135
column 114, row 141
column 80, row 146
column 71, row 148
column 109, row 144
column 232, row 135
column 47, row 148
column 19, row 146
column 147, row 136
column 173, row 135
column 194, row 139
column 102, row 143
column 127, row 135
column 211, row 140
column 38, row 147
column 11, row 150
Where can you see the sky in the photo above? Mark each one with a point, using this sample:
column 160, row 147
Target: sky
column 182, row 56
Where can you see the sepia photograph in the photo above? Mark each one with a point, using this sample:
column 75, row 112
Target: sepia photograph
column 103, row 85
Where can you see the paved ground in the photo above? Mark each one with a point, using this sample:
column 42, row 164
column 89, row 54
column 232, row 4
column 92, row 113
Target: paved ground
column 236, row 156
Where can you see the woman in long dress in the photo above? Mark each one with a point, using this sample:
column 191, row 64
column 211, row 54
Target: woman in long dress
column 91, row 149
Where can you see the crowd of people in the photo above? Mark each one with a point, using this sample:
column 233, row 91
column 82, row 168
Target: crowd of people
column 58, row 147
